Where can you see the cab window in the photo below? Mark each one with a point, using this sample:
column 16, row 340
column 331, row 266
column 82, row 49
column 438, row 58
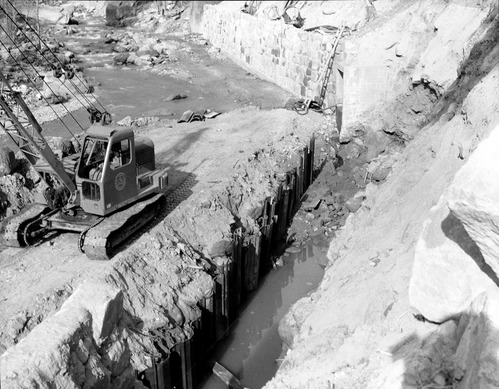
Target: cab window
column 120, row 154
column 92, row 158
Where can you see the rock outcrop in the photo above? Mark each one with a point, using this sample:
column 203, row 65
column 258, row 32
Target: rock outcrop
column 447, row 273
column 454, row 30
column 474, row 195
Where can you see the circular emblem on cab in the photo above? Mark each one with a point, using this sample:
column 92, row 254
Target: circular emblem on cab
column 120, row 181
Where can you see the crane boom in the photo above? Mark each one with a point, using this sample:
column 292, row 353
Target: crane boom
column 21, row 126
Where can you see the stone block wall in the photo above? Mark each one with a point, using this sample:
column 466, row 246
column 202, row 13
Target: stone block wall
column 291, row 58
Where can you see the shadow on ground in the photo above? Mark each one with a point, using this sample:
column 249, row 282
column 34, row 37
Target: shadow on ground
column 459, row 354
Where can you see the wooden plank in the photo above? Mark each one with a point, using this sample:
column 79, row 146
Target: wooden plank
column 295, row 187
column 221, row 323
column 252, row 264
column 163, row 375
column 305, row 169
column 226, row 377
column 300, row 177
column 183, row 349
column 292, row 194
column 208, row 320
column 312, row 156
column 237, row 269
column 285, row 214
column 227, row 290
column 265, row 250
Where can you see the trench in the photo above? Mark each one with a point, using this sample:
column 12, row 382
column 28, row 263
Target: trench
column 238, row 327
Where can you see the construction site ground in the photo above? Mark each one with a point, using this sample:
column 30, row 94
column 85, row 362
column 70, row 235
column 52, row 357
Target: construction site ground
column 200, row 156
column 35, row 281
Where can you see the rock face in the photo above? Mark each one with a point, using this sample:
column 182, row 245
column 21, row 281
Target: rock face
column 8, row 161
column 474, row 195
column 440, row 61
column 446, row 275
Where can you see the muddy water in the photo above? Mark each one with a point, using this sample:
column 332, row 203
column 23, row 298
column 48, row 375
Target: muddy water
column 253, row 346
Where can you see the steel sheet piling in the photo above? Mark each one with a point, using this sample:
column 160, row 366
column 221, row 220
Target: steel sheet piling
column 250, row 260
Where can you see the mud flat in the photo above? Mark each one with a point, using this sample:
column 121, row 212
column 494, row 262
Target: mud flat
column 87, row 322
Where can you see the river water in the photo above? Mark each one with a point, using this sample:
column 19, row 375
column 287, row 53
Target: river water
column 208, row 82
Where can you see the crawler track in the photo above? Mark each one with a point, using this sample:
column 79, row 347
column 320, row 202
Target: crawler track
column 12, row 228
column 101, row 239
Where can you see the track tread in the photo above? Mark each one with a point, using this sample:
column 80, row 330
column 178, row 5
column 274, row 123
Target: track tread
column 100, row 240
column 11, row 227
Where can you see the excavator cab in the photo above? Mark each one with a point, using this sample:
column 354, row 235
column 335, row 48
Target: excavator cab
column 115, row 169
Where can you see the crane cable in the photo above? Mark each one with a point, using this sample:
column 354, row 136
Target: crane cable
column 32, row 82
column 57, row 58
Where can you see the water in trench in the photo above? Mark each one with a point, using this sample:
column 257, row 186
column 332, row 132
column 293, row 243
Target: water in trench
column 251, row 349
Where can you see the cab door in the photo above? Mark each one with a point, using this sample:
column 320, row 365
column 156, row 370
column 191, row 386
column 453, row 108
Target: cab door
column 120, row 175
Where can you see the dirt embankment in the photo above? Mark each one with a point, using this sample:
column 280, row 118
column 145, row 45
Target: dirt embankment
column 408, row 294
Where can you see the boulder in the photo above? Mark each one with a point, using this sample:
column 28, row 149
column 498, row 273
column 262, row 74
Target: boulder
column 44, row 355
column 8, row 161
column 105, row 304
column 55, row 15
column 447, row 273
column 120, row 13
column 62, row 88
column 354, row 204
column 116, row 358
column 473, row 198
column 475, row 360
column 121, row 58
column 131, row 58
column 63, row 146
column 381, row 172
column 126, row 121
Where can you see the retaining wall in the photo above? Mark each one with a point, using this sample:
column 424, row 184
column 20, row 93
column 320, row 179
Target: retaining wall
column 289, row 57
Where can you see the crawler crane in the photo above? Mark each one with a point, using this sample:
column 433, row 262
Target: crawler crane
column 105, row 193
